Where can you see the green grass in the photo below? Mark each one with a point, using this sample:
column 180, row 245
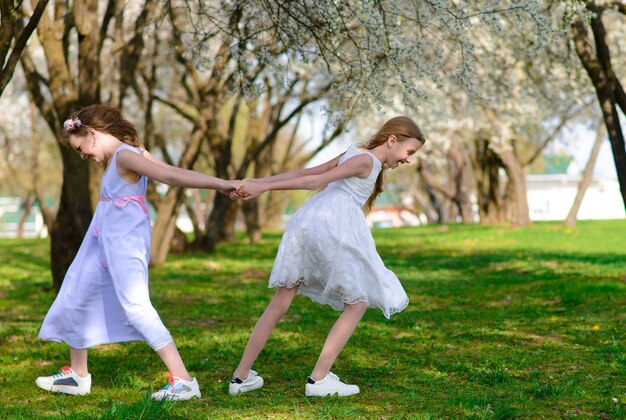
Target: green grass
column 502, row 323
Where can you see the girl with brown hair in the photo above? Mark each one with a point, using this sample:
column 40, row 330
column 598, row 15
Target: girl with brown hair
column 104, row 297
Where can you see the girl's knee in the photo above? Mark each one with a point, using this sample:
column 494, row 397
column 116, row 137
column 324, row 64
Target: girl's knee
column 287, row 292
column 356, row 307
column 282, row 299
column 280, row 306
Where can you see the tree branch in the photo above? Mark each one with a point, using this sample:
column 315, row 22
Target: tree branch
column 7, row 71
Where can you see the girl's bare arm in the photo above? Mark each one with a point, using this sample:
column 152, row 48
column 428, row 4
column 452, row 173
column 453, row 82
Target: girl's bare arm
column 359, row 166
column 171, row 175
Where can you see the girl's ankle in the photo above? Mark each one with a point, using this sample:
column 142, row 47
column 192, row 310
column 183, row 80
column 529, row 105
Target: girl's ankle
column 317, row 377
column 81, row 372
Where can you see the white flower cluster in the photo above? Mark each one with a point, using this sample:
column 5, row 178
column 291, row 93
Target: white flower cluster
column 369, row 51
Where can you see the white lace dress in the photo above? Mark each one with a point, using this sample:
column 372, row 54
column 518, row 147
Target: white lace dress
column 328, row 249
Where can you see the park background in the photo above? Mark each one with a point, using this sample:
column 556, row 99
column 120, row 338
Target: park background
column 516, row 305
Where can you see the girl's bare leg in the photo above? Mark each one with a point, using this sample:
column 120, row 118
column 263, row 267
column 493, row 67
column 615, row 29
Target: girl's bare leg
column 337, row 338
column 78, row 362
column 264, row 327
column 170, row 356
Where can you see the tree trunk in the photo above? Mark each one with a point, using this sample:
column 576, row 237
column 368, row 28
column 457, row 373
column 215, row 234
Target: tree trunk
column 192, row 212
column 570, row 220
column 421, row 204
column 74, row 213
column 462, row 178
column 179, row 241
column 221, row 224
column 70, row 85
column 164, row 226
column 451, row 211
column 86, row 21
column 456, row 190
column 46, row 213
column 436, row 204
column 491, row 208
column 597, row 71
column 250, row 211
column 169, row 206
column 13, row 29
column 28, row 207
column 517, row 198
column 73, row 216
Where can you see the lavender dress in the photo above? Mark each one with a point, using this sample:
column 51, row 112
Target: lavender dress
column 104, row 297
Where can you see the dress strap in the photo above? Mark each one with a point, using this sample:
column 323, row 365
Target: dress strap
column 376, row 160
column 126, row 146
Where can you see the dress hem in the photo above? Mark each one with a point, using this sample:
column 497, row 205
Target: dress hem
column 95, row 343
column 328, row 302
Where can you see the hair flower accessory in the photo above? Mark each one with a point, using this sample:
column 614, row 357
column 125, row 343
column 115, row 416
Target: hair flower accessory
column 71, row 124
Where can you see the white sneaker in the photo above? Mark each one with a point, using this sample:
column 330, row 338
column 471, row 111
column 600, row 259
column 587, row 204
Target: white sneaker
column 177, row 390
column 66, row 381
column 252, row 382
column 330, row 385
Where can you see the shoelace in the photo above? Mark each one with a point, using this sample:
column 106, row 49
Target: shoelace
column 65, row 370
column 172, row 382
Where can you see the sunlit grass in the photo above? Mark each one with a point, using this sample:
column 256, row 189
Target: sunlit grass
column 502, row 323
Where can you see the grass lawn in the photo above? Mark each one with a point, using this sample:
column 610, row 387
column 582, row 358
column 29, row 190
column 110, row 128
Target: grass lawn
column 501, row 323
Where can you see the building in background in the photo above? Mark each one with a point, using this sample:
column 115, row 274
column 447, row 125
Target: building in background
column 11, row 212
column 552, row 187
column 387, row 213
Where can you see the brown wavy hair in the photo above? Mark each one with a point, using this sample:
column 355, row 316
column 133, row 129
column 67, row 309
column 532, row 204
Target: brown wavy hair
column 104, row 118
column 401, row 127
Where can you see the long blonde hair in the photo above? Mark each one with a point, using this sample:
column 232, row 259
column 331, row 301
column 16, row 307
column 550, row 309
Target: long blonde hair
column 401, row 127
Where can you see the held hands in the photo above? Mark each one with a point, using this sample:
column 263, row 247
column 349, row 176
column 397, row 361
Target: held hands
column 248, row 189
column 229, row 187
